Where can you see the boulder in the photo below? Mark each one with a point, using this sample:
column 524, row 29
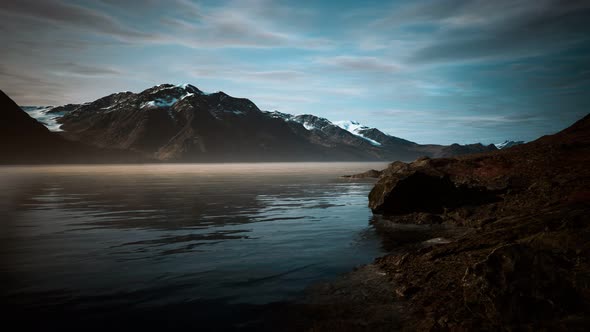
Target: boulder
column 425, row 186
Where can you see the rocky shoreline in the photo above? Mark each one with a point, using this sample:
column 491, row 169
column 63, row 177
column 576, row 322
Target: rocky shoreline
column 507, row 246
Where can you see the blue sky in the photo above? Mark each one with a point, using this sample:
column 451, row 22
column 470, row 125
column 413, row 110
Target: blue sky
column 438, row 71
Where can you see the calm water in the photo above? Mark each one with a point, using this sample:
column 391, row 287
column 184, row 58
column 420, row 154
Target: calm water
column 150, row 235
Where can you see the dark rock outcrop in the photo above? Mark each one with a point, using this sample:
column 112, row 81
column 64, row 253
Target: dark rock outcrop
column 525, row 265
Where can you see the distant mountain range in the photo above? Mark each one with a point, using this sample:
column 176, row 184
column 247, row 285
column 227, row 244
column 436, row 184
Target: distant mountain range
column 180, row 123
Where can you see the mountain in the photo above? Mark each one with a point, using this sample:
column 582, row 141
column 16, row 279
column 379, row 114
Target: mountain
column 508, row 144
column 43, row 115
column 522, row 259
column 22, row 137
column 25, row 140
column 359, row 130
column 180, row 123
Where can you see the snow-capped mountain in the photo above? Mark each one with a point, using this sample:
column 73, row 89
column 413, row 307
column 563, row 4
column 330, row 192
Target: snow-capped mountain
column 182, row 123
column 507, row 144
column 356, row 128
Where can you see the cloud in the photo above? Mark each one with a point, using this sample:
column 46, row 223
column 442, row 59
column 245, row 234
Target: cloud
column 33, row 90
column 497, row 30
column 240, row 24
column 75, row 69
column 224, row 30
column 358, row 63
column 399, row 112
column 58, row 12
column 235, row 27
column 245, row 76
column 493, row 119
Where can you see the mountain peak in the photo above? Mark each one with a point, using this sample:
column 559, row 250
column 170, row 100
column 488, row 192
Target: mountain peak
column 178, row 88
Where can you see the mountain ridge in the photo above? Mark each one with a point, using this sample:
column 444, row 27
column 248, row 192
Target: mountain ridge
column 181, row 123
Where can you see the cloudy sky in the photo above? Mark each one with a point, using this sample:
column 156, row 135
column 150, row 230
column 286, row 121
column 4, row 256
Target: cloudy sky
column 438, row 71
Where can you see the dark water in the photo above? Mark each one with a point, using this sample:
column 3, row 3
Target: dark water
column 87, row 239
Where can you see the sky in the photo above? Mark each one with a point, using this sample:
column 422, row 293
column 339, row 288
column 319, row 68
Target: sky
column 439, row 71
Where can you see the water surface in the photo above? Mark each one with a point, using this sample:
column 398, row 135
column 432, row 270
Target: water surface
column 150, row 235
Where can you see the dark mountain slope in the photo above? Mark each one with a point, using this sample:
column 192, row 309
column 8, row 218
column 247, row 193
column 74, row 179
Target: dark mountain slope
column 23, row 140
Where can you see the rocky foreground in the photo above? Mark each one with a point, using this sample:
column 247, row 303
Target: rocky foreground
column 519, row 260
column 527, row 265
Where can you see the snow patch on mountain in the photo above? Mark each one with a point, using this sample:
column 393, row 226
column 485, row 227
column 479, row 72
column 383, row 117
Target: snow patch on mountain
column 110, row 108
column 191, row 89
column 159, row 102
column 236, row 112
column 355, row 128
column 165, row 102
column 308, row 126
column 190, row 94
column 279, row 115
column 40, row 113
column 507, row 144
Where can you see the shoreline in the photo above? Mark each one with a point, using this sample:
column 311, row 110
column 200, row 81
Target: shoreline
column 520, row 257
column 366, row 299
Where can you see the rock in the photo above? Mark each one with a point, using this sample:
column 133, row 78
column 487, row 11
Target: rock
column 516, row 283
column 420, row 189
column 525, row 264
column 368, row 174
column 406, row 292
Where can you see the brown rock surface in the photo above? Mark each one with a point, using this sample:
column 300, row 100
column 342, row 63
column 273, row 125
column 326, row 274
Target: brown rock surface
column 525, row 265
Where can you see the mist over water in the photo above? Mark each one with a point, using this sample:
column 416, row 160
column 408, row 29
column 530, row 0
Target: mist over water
column 149, row 235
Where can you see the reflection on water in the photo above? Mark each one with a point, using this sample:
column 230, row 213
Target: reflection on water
column 165, row 234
